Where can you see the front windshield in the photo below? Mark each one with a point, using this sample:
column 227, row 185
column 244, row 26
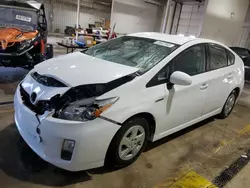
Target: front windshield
column 142, row 53
column 25, row 20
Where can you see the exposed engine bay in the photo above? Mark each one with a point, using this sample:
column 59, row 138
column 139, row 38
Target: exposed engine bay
column 77, row 103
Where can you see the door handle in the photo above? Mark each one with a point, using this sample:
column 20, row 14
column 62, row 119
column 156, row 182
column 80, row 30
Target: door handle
column 204, row 86
column 160, row 99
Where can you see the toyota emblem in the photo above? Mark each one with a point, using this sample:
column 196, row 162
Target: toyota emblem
column 33, row 97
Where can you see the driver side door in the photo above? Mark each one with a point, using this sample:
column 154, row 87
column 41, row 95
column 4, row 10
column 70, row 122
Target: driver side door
column 183, row 105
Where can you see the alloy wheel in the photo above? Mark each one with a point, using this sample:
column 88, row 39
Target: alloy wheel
column 230, row 104
column 131, row 142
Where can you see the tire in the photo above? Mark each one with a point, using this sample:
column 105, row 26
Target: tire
column 49, row 51
column 70, row 31
column 113, row 157
column 227, row 111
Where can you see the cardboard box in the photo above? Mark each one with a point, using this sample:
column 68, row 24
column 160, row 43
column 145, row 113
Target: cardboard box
column 88, row 41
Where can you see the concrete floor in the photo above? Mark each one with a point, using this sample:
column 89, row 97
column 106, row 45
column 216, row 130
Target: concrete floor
column 242, row 180
column 205, row 148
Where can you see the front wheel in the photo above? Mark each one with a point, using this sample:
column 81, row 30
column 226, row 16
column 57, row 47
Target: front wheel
column 229, row 105
column 128, row 143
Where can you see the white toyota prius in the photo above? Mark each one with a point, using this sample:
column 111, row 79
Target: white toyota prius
column 103, row 105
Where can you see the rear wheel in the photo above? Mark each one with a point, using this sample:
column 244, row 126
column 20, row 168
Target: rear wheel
column 128, row 143
column 229, row 105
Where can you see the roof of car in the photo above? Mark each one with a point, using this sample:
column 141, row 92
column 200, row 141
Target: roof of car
column 176, row 39
column 22, row 4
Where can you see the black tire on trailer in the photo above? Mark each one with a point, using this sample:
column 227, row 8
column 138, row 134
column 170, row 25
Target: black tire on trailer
column 49, row 51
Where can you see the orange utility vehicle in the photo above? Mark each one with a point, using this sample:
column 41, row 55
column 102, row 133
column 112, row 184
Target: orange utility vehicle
column 23, row 34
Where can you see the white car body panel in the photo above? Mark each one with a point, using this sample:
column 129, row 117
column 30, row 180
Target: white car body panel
column 172, row 110
column 43, row 92
column 80, row 69
column 89, row 152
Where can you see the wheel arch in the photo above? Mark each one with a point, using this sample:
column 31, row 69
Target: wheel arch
column 149, row 118
column 237, row 89
column 152, row 127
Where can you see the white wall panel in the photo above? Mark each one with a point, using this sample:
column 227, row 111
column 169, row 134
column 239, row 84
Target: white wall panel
column 133, row 16
column 219, row 22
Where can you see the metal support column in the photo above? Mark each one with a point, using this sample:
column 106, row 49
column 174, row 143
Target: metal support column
column 165, row 16
column 77, row 18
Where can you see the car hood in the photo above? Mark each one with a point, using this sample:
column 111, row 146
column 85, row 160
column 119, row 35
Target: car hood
column 79, row 69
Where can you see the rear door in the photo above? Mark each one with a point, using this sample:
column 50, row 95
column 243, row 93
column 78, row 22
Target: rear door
column 220, row 72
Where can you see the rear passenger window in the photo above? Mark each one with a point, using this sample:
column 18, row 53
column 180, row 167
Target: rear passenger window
column 231, row 58
column 218, row 57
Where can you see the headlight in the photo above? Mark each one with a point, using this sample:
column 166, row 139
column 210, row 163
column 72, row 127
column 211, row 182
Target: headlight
column 86, row 109
column 24, row 45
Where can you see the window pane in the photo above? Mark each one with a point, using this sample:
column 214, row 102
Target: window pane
column 218, row 57
column 142, row 53
column 231, row 58
column 192, row 61
column 163, row 74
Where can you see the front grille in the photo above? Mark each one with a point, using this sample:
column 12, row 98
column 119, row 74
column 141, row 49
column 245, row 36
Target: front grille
column 39, row 108
column 12, row 48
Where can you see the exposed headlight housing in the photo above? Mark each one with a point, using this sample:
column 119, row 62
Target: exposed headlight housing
column 86, row 109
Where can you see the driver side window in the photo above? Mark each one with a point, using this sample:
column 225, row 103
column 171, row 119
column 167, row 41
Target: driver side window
column 192, row 61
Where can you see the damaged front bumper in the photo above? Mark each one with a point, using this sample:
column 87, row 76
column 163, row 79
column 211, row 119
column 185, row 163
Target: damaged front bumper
column 23, row 59
column 45, row 135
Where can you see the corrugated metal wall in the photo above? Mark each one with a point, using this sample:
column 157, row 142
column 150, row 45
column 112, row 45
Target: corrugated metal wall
column 61, row 13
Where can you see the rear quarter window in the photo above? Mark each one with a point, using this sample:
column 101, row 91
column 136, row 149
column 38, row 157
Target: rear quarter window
column 218, row 57
column 231, row 58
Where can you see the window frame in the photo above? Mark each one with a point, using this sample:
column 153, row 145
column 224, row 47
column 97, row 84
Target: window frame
column 155, row 82
column 228, row 53
column 41, row 14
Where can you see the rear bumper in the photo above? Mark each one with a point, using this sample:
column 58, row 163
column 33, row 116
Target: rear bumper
column 91, row 138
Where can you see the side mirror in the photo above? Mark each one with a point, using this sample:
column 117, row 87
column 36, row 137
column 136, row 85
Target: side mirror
column 180, row 78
